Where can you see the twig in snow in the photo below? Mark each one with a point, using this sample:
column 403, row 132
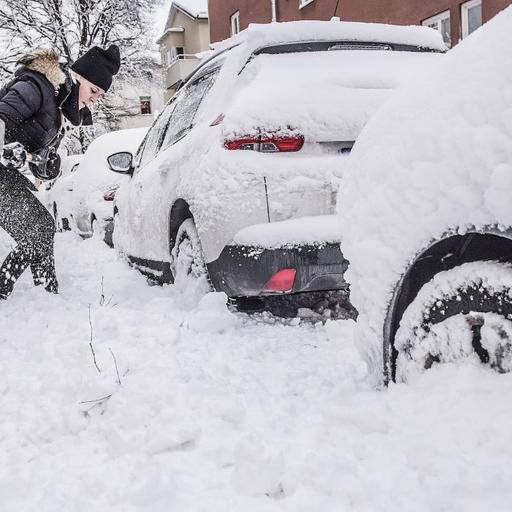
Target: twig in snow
column 102, row 399
column 102, row 296
column 115, row 363
column 103, row 301
column 90, row 343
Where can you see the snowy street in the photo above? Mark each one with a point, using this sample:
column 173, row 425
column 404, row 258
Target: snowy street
column 211, row 410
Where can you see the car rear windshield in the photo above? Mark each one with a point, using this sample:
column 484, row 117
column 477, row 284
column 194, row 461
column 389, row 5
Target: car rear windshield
column 322, row 46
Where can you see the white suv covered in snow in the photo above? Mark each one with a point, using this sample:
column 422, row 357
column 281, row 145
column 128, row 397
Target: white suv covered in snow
column 239, row 173
column 426, row 214
column 94, row 186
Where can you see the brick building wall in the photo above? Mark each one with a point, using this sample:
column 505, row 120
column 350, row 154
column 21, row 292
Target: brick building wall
column 399, row 12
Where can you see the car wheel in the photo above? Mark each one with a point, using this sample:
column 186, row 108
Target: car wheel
column 462, row 314
column 108, row 234
column 187, row 261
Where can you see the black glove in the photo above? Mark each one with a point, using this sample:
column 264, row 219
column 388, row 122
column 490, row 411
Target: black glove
column 13, row 156
column 45, row 164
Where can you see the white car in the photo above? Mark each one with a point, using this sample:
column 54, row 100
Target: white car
column 426, row 214
column 95, row 186
column 57, row 193
column 237, row 178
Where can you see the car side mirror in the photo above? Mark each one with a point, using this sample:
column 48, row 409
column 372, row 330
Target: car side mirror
column 121, row 162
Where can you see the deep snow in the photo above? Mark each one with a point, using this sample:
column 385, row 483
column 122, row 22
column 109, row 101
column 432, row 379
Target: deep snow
column 435, row 159
column 217, row 411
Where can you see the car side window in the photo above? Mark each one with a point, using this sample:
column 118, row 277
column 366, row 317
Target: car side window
column 154, row 138
column 182, row 118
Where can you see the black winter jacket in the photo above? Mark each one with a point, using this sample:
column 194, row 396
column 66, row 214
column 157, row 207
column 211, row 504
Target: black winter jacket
column 33, row 102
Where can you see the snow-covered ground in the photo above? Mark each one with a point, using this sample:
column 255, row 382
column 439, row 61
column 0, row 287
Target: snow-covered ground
column 216, row 411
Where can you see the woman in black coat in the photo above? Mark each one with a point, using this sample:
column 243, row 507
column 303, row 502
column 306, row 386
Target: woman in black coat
column 34, row 108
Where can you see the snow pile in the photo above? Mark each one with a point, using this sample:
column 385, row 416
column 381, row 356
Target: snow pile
column 437, row 157
column 263, row 416
column 304, row 230
column 68, row 163
column 332, row 100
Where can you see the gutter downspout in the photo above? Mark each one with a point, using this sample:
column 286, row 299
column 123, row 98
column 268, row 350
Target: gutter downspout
column 274, row 10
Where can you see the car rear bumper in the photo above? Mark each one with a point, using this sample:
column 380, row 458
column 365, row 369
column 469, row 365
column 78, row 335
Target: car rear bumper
column 243, row 271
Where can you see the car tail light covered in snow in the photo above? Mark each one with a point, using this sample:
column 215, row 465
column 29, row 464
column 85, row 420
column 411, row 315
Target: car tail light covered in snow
column 110, row 195
column 281, row 282
column 267, row 144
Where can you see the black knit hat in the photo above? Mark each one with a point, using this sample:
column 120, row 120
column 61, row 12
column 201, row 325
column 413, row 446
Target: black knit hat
column 99, row 65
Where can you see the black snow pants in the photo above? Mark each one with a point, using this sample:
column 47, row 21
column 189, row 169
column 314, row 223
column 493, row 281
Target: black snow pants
column 32, row 227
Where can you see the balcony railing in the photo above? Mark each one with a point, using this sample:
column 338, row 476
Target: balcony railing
column 179, row 68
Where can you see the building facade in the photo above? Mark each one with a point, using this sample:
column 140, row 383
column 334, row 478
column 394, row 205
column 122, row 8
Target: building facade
column 186, row 34
column 455, row 19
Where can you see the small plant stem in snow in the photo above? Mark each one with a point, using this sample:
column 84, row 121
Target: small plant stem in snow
column 90, row 343
column 117, row 369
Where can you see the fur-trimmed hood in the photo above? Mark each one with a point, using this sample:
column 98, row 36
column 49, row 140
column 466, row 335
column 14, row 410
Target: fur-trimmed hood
column 46, row 62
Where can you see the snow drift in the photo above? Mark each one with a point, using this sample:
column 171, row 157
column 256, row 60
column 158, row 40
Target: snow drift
column 437, row 157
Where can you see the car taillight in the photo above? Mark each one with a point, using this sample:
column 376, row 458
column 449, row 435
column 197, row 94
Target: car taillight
column 264, row 144
column 281, row 282
column 110, row 195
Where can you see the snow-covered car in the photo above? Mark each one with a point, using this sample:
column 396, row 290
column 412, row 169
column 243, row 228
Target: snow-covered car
column 57, row 193
column 94, row 186
column 238, row 175
column 426, row 214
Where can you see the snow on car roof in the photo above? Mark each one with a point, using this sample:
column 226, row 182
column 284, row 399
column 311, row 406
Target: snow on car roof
column 260, row 35
column 436, row 158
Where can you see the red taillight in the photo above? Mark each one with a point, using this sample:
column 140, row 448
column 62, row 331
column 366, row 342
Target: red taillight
column 110, row 195
column 281, row 282
column 277, row 144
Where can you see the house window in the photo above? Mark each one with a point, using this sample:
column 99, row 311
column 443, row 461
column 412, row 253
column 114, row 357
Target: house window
column 171, row 54
column 145, row 104
column 471, row 14
column 235, row 23
column 303, row 3
column 177, row 51
column 441, row 23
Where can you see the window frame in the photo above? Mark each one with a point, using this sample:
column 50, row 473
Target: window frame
column 464, row 16
column 212, row 72
column 234, row 22
column 169, row 110
column 146, row 99
column 438, row 19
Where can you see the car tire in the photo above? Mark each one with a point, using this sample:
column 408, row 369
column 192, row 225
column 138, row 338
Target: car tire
column 462, row 314
column 187, row 260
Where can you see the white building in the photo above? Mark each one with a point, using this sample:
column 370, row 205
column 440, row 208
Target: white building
column 186, row 34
